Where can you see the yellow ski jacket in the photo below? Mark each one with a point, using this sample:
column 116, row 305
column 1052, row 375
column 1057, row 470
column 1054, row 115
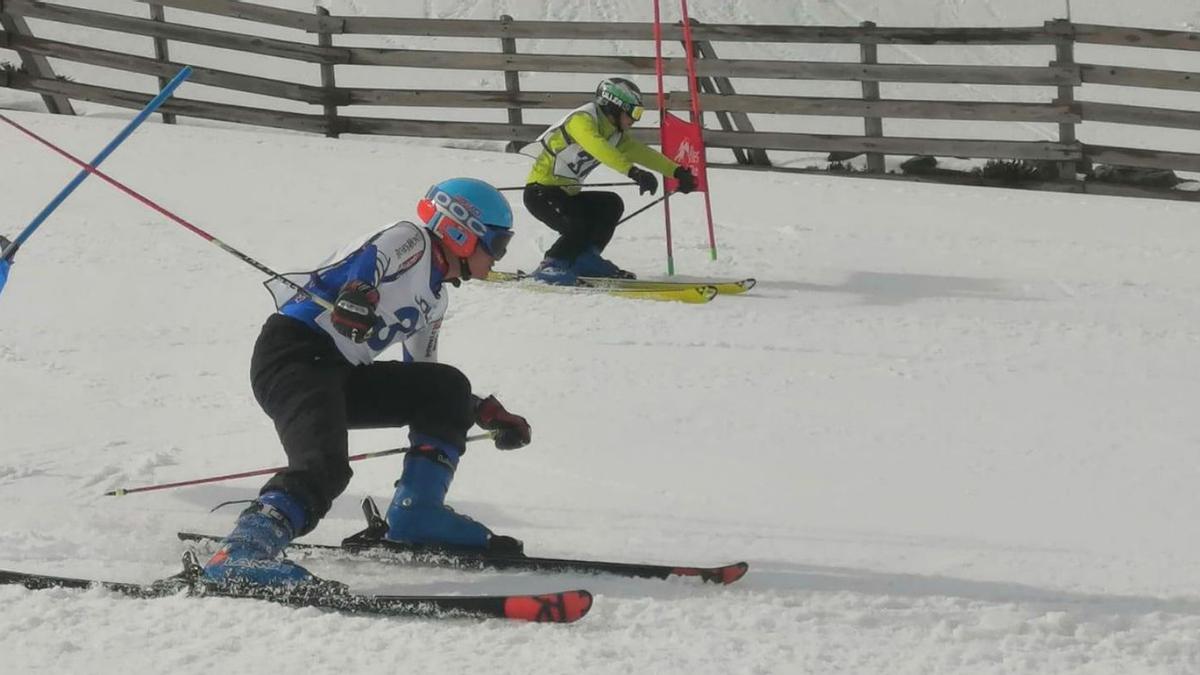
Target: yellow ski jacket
column 585, row 139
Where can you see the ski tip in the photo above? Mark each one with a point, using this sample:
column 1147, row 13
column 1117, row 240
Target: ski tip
column 726, row 574
column 582, row 604
column 565, row 607
column 731, row 573
column 748, row 284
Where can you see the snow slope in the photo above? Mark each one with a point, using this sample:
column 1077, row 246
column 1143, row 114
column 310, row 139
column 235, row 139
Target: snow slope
column 952, row 430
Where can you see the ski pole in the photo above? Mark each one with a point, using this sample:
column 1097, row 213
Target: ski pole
column 121, row 492
column 10, row 250
column 651, row 203
column 589, row 185
column 155, row 206
column 662, row 130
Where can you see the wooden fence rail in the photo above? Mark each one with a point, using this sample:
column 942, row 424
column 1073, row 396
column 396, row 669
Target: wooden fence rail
column 1136, row 37
column 584, row 30
column 314, row 44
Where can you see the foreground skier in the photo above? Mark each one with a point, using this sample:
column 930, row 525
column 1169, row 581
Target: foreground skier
column 314, row 373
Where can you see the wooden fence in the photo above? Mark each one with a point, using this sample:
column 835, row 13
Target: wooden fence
column 1063, row 75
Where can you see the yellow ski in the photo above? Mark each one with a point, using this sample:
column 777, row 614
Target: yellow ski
column 693, row 293
column 724, row 287
column 690, row 294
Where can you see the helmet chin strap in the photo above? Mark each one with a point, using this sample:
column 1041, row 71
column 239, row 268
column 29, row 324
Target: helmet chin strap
column 440, row 255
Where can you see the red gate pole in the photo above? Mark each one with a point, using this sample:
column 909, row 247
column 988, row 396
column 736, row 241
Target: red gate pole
column 697, row 119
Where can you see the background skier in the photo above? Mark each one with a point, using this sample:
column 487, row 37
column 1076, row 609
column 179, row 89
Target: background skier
column 588, row 136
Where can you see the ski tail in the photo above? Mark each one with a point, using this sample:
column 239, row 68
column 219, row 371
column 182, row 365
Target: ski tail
column 39, row 582
column 565, row 607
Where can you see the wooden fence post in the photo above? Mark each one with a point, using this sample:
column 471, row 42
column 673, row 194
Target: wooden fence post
column 512, row 84
column 872, row 126
column 162, row 55
column 733, row 120
column 707, row 86
column 1064, row 54
column 34, row 64
column 328, row 83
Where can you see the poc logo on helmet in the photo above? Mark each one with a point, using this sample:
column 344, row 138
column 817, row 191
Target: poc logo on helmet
column 457, row 210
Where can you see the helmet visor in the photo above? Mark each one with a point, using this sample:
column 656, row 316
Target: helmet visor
column 635, row 112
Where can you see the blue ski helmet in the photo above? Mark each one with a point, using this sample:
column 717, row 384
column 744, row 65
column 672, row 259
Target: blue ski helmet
column 466, row 212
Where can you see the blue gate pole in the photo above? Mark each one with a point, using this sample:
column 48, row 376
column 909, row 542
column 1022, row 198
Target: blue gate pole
column 10, row 250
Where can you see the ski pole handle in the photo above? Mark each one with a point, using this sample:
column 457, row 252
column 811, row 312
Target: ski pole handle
column 121, row 492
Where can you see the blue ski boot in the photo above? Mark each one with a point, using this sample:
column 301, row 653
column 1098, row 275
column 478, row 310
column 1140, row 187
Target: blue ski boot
column 591, row 264
column 555, row 271
column 250, row 554
column 418, row 514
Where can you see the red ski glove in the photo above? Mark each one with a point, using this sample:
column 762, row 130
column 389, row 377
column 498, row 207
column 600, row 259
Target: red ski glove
column 511, row 431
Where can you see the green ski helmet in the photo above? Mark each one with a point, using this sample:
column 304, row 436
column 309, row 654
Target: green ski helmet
column 617, row 95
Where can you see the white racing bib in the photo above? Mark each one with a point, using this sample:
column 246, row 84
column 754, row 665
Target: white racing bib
column 571, row 160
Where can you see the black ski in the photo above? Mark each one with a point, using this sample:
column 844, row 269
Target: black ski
column 564, row 607
column 370, row 543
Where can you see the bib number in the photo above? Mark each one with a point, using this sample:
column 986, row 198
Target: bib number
column 583, row 164
column 406, row 322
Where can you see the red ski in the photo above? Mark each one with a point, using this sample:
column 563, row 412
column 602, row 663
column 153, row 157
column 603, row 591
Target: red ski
column 562, row 607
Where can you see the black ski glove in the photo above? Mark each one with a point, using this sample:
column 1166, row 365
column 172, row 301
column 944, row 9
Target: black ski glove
column 354, row 310
column 511, row 431
column 687, row 180
column 645, row 180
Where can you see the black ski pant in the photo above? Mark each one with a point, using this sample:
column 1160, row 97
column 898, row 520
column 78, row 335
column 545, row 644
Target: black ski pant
column 583, row 220
column 315, row 396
